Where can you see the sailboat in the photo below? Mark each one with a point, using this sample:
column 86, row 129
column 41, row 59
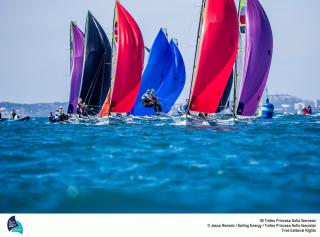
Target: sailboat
column 156, row 70
column 256, row 29
column 96, row 76
column 215, row 55
column 128, row 59
column 76, row 65
column 165, row 74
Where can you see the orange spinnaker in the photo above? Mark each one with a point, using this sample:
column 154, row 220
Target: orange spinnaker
column 106, row 107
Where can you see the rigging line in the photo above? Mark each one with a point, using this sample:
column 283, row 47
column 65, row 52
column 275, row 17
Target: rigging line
column 94, row 81
column 103, row 75
column 196, row 51
column 235, row 76
column 113, row 60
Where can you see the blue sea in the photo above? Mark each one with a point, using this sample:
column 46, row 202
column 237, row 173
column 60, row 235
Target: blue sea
column 158, row 166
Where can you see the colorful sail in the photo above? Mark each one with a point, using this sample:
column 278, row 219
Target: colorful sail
column 96, row 75
column 128, row 66
column 216, row 54
column 173, row 84
column 258, row 56
column 76, row 57
column 157, row 69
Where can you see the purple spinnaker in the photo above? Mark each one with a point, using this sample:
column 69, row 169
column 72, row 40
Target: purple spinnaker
column 77, row 65
column 258, row 56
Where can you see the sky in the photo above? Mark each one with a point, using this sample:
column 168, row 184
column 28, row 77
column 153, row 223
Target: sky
column 34, row 42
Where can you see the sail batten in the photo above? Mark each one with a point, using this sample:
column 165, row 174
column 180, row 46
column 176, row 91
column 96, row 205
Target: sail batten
column 76, row 63
column 217, row 52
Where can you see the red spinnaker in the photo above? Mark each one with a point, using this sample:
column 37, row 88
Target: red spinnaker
column 129, row 64
column 217, row 54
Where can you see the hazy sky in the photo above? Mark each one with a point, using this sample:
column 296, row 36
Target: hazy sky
column 34, row 42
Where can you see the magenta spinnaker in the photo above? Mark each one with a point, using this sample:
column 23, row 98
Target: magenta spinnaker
column 77, row 65
column 258, row 56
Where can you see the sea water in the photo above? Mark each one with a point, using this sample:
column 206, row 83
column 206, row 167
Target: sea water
column 158, row 166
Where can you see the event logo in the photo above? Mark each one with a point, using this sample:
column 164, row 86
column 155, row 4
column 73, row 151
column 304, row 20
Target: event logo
column 14, row 225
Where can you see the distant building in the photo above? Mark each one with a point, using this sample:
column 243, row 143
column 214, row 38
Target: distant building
column 285, row 107
column 317, row 103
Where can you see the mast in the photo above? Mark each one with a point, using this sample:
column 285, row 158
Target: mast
column 196, row 53
column 71, row 47
column 235, row 76
column 113, row 50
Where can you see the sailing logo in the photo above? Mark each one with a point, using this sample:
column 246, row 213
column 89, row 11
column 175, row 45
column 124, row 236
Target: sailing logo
column 14, row 225
column 243, row 20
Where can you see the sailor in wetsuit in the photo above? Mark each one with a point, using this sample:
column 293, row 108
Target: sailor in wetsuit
column 150, row 100
column 309, row 110
column 82, row 108
column 14, row 115
column 184, row 109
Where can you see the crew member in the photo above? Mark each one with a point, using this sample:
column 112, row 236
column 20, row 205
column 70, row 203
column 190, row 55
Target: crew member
column 309, row 110
column 150, row 100
column 14, row 115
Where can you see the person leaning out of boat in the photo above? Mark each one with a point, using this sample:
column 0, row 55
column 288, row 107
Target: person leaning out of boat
column 184, row 109
column 309, row 110
column 306, row 110
column 82, row 108
column 0, row 115
column 150, row 100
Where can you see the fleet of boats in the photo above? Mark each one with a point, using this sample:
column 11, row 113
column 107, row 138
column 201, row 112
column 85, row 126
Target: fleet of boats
column 231, row 65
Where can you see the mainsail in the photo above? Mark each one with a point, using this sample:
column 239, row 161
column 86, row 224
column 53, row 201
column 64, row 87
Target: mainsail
column 128, row 65
column 226, row 95
column 157, row 69
column 258, row 56
column 76, row 63
column 216, row 53
column 96, row 75
column 173, row 85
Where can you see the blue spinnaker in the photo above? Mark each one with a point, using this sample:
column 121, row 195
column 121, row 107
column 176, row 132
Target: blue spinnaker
column 156, row 71
column 172, row 86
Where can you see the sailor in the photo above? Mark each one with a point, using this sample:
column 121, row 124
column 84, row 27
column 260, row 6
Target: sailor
column 305, row 111
column 147, row 99
column 79, row 106
column 14, row 115
column 0, row 115
column 309, row 110
column 203, row 115
column 84, row 109
column 150, row 100
column 184, row 109
column 51, row 117
column 57, row 115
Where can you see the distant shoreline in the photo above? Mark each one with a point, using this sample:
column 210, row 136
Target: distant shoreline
column 283, row 104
